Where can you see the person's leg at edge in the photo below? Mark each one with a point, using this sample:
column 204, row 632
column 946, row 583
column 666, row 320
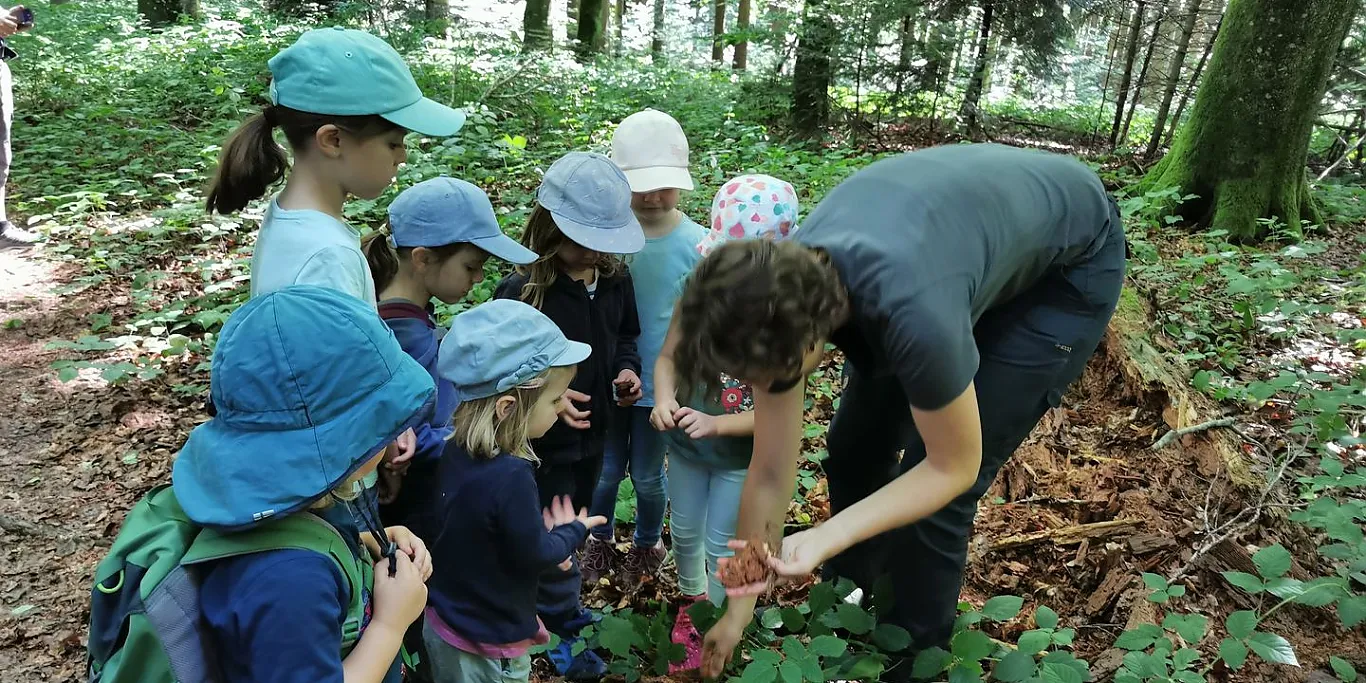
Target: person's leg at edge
column 450, row 664
column 688, row 492
column 723, row 511
column 558, row 591
column 1031, row 350
column 647, row 552
column 11, row 236
column 599, row 557
column 869, row 428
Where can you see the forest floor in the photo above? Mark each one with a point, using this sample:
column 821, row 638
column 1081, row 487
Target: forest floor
column 1080, row 511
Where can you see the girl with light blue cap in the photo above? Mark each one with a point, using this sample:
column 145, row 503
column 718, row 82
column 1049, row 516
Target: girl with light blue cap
column 309, row 387
column 509, row 365
column 440, row 233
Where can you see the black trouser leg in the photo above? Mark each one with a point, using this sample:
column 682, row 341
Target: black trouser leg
column 557, row 597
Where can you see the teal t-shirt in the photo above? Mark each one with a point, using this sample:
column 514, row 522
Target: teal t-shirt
column 720, row 452
column 305, row 247
column 658, row 272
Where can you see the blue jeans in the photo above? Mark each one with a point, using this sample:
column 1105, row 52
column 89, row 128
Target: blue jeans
column 705, row 502
column 631, row 440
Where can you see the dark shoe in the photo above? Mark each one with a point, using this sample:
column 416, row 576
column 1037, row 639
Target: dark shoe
column 642, row 562
column 596, row 561
column 586, row 666
column 13, row 237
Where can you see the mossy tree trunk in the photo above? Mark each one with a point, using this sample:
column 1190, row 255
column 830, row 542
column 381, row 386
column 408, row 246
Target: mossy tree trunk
column 718, row 31
column 162, row 12
column 1243, row 151
column 536, row 26
column 590, row 28
column 811, row 74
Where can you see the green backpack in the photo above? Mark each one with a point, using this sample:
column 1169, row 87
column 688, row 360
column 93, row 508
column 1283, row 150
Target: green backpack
column 145, row 620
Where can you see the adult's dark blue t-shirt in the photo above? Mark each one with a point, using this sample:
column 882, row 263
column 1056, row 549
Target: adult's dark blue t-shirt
column 928, row 241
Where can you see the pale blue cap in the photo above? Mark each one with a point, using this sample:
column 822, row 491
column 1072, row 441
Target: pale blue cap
column 346, row 72
column 590, row 200
column 500, row 345
column 442, row 211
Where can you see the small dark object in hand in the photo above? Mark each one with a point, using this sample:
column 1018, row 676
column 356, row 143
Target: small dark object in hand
column 749, row 566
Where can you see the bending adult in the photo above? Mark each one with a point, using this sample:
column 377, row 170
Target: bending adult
column 967, row 286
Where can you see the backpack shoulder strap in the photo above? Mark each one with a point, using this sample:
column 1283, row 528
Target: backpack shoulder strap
column 301, row 531
column 403, row 309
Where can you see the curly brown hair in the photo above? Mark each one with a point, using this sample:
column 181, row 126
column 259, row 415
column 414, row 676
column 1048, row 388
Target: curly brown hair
column 544, row 237
column 753, row 309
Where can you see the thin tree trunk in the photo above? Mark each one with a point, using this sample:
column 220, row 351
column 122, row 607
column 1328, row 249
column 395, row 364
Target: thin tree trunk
column 1127, row 78
column 1109, row 74
column 740, row 59
column 1194, row 81
column 571, row 24
column 604, row 21
column 1178, row 62
column 973, row 95
column 811, row 75
column 903, row 62
column 620, row 47
column 718, row 31
column 657, row 34
column 438, row 14
column 590, row 28
column 1143, row 72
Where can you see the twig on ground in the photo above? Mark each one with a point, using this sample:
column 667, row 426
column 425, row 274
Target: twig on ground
column 1067, row 535
column 1203, row 426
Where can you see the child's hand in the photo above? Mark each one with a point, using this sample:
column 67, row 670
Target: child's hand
column 409, row 544
column 389, row 484
column 570, row 414
column 561, row 512
column 566, row 565
column 628, row 388
column 697, row 425
column 400, row 453
column 662, row 417
column 399, row 599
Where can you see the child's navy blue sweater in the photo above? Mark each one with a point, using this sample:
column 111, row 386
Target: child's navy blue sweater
column 491, row 547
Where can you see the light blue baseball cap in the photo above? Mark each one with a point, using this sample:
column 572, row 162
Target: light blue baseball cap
column 590, row 200
column 347, row 72
column 441, row 211
column 502, row 344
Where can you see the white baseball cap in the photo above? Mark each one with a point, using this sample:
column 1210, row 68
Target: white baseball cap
column 652, row 151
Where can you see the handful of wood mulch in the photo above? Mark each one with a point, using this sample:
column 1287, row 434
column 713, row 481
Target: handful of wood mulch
column 749, row 566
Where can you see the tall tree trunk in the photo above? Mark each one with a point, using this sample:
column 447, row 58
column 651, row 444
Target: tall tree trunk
column 657, row 34
column 536, row 25
column 1242, row 153
column 740, row 59
column 1112, row 55
column 620, row 46
column 1143, row 72
column 940, row 31
column 162, row 12
column 811, row 75
column 906, row 37
column 571, row 17
column 1122, row 96
column 438, row 15
column 973, row 96
column 604, row 21
column 718, row 31
column 1191, row 85
column 1178, row 62
column 590, row 28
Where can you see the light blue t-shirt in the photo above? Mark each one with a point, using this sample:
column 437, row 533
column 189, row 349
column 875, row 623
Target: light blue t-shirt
column 658, row 272
column 306, row 247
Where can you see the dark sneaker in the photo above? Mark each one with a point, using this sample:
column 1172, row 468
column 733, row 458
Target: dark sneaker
column 13, row 237
column 642, row 562
column 597, row 560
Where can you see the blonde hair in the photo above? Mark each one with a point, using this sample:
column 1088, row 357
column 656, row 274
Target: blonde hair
column 544, row 237
column 481, row 433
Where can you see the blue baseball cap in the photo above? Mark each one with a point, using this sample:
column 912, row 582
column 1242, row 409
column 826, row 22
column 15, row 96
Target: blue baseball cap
column 347, row 72
column 502, row 344
column 441, row 211
column 308, row 385
column 590, row 200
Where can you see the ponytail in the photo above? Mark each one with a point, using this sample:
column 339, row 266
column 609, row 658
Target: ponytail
column 251, row 161
column 382, row 258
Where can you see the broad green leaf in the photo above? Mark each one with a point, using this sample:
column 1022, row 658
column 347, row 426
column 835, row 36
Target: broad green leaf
column 827, row 646
column 1045, row 618
column 757, row 672
column 1285, row 589
column 1188, row 677
column 866, row 668
column 1183, row 658
column 1245, row 581
column 1069, row 660
column 1191, row 627
column 1034, row 642
column 811, row 670
column 771, row 619
column 768, row 657
column 1003, row 607
column 1272, row 561
column 822, row 598
column 1059, row 673
column 1140, row 638
column 1272, row 648
column 854, row 619
column 930, row 663
column 1352, row 611
column 790, row 672
column 1154, row 581
column 617, row 635
column 972, row 646
column 1233, row 652
column 1064, row 637
column 793, row 649
column 1176, row 591
column 970, row 672
column 1344, row 669
column 793, row 619
column 1145, row 665
column 891, row 638
column 1015, row 667
column 1240, row 624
